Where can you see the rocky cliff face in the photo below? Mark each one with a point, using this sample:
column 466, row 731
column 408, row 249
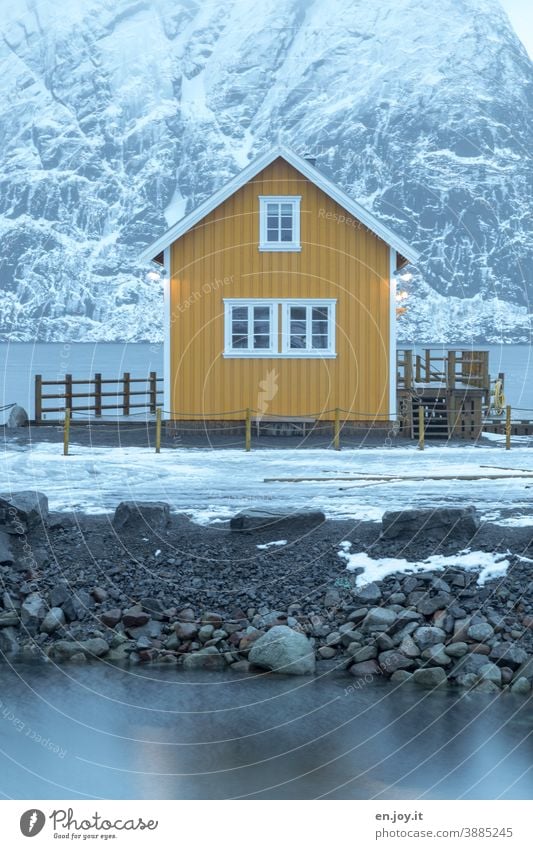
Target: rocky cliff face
column 117, row 116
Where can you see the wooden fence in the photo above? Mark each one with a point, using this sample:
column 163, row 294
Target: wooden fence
column 97, row 395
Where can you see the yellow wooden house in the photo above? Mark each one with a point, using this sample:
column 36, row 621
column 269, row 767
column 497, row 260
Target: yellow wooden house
column 280, row 298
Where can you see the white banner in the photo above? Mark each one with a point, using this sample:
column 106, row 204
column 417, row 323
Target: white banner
column 357, row 824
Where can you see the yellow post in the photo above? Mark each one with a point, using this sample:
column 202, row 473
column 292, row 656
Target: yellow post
column 66, row 431
column 421, row 440
column 248, row 430
column 158, row 430
column 337, row 430
column 508, row 427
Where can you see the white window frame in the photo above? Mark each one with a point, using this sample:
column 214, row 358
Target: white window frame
column 265, row 245
column 275, row 352
column 308, row 352
column 250, row 352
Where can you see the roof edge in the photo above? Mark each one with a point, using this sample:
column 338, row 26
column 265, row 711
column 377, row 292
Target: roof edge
column 308, row 170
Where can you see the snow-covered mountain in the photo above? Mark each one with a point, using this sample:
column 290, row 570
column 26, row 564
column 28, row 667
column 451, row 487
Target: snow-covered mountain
column 117, row 116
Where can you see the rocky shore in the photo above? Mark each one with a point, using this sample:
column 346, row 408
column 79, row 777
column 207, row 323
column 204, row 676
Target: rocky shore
column 266, row 593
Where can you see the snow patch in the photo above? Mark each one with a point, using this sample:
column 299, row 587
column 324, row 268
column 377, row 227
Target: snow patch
column 269, row 544
column 488, row 565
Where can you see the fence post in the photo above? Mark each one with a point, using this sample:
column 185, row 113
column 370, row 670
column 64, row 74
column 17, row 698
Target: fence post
column 66, row 431
column 248, row 430
column 153, row 391
column 421, row 435
column 38, row 398
column 126, row 394
column 68, row 391
column 98, row 394
column 508, row 427
column 158, row 430
column 337, row 430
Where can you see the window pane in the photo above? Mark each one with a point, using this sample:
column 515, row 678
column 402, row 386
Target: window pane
column 262, row 313
column 286, row 221
column 239, row 313
column 320, row 313
column 262, row 341
column 320, row 327
column 262, row 327
column 286, row 235
column 272, row 221
column 298, row 313
column 273, row 209
column 320, row 341
column 286, row 208
column 239, row 341
column 297, row 341
column 240, row 328
column 272, row 236
column 298, row 327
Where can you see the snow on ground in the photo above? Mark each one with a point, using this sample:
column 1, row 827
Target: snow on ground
column 214, row 484
column 488, row 565
column 274, row 543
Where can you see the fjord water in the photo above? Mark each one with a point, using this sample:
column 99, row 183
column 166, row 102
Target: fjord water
column 102, row 732
column 21, row 361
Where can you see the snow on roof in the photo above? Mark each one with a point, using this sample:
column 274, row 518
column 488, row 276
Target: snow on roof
column 308, row 170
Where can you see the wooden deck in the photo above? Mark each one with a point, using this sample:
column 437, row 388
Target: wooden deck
column 453, row 387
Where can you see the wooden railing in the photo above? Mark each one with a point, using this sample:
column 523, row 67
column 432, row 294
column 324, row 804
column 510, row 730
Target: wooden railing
column 97, row 395
column 454, row 369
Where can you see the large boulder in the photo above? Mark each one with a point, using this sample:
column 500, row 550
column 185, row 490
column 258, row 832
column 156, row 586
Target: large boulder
column 208, row 658
column 142, row 515
column 266, row 519
column 283, row 650
column 22, row 511
column 7, row 557
column 18, row 417
column 436, row 523
column 429, row 678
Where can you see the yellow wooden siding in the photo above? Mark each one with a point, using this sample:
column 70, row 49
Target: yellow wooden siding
column 219, row 258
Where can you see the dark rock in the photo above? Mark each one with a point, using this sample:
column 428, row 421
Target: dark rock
column 135, row 617
column 428, row 635
column 99, row 595
column 111, row 618
column 257, row 519
column 508, row 654
column 207, row 658
column 430, row 677
column 367, row 667
column 9, row 618
column 427, row 606
column 58, row 595
column 391, row 661
column 186, row 630
column 77, row 605
column 379, row 619
column 7, row 558
column 142, row 516
column 22, row 511
column 368, row 594
column 436, row 523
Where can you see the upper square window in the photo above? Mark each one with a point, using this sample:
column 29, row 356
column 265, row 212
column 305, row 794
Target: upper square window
column 279, row 223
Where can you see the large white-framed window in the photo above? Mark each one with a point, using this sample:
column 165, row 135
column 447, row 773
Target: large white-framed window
column 307, row 328
column 250, row 328
column 279, row 223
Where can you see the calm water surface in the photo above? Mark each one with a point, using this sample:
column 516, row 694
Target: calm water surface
column 100, row 732
column 21, row 361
